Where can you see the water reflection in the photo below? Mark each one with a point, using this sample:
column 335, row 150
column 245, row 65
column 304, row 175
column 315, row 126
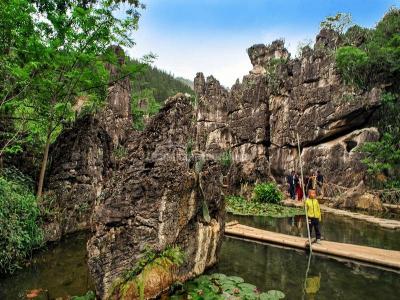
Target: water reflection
column 270, row 267
column 333, row 228
column 61, row 270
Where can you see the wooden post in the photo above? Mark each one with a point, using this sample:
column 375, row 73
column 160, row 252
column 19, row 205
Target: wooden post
column 304, row 194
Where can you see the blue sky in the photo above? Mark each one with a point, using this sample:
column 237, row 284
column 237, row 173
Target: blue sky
column 212, row 36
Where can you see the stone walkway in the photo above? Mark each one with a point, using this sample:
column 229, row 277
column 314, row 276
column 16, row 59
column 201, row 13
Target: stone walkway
column 376, row 256
column 384, row 223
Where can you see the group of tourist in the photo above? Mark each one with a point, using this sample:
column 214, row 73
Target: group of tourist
column 313, row 186
column 314, row 181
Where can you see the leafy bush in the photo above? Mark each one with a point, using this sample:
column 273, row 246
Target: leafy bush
column 383, row 157
column 352, row 63
column 376, row 57
column 267, row 193
column 219, row 287
column 20, row 232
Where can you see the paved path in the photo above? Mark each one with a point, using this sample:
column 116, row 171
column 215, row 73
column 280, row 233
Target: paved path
column 376, row 256
column 384, row 223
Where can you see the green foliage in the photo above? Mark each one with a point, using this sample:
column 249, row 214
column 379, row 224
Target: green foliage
column 162, row 84
column 170, row 257
column 374, row 55
column 219, row 287
column 267, row 193
column 239, row 206
column 53, row 53
column 371, row 58
column 339, row 22
column 383, row 156
column 120, row 152
column 225, row 158
column 272, row 68
column 20, row 232
column 143, row 105
column 88, row 296
column 352, row 63
column 389, row 98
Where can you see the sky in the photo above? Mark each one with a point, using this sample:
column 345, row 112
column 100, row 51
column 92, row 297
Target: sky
column 211, row 36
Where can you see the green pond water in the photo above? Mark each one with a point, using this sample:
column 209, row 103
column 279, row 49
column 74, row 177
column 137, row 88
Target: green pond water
column 333, row 228
column 61, row 269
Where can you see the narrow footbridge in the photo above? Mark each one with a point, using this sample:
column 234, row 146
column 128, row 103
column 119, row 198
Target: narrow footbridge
column 369, row 255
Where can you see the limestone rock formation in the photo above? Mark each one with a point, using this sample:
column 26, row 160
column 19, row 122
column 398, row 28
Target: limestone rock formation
column 359, row 198
column 83, row 157
column 156, row 199
column 259, row 119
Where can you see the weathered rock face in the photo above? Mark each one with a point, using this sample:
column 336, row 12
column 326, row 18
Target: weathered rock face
column 83, row 158
column 259, row 119
column 156, row 199
column 359, row 198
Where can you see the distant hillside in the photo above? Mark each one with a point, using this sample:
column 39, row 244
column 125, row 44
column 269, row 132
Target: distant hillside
column 188, row 82
column 162, row 84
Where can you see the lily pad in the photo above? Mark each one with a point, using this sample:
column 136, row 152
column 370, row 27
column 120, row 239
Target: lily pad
column 236, row 279
column 276, row 294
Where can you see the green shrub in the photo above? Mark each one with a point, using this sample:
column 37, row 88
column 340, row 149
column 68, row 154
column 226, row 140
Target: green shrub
column 352, row 64
column 20, row 232
column 226, row 159
column 267, row 193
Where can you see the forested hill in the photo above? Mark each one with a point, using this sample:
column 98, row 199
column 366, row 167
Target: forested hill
column 162, row 84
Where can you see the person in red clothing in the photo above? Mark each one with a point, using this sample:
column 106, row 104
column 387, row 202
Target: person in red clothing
column 299, row 189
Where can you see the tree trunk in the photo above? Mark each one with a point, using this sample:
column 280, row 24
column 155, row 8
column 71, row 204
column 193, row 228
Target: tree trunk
column 44, row 164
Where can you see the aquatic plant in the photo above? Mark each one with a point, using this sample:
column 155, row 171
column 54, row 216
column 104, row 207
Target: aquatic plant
column 20, row 231
column 88, row 296
column 239, row 206
column 267, row 193
column 151, row 261
column 219, row 287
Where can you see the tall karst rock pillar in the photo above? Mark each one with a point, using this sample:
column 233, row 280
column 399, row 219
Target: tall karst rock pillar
column 82, row 157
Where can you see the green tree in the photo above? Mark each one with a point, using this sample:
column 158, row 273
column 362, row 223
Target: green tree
column 56, row 58
column 339, row 22
column 371, row 58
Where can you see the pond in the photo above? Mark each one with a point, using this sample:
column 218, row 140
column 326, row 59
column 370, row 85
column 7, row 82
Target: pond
column 270, row 267
column 61, row 269
column 333, row 228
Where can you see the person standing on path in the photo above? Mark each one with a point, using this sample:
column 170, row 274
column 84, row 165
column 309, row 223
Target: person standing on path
column 292, row 185
column 314, row 214
column 299, row 188
column 320, row 184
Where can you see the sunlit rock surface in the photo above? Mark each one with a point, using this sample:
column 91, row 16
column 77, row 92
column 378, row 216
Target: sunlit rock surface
column 259, row 119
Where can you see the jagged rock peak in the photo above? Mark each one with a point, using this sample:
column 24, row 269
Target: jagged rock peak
column 199, row 84
column 119, row 90
column 260, row 54
column 327, row 38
